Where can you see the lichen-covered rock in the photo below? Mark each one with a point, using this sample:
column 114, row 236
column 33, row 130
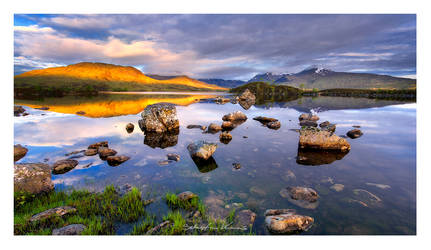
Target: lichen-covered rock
column 104, row 152
column 234, row 116
column 214, row 128
column 72, row 229
column 98, row 145
column 64, row 166
column 247, row 95
column 32, row 178
column 57, row 211
column 309, row 117
column 90, row 152
column 318, row 139
column 160, row 117
column 116, row 160
column 130, row 127
column 201, row 149
column 354, row 133
column 19, row 152
column 186, row 195
column 288, row 223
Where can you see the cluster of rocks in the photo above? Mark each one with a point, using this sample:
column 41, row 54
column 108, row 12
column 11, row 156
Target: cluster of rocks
column 106, row 153
column 19, row 111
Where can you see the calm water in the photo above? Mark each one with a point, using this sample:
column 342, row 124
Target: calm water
column 385, row 154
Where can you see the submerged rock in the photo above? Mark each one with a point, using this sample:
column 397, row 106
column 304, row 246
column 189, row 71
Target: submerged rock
column 201, row 149
column 160, row 117
column 354, row 133
column 309, row 117
column 173, row 157
column 19, row 152
column 91, row 152
column 130, row 127
column 367, row 198
column 116, row 160
column 286, row 222
column 245, row 218
column 57, row 211
column 186, row 195
column 64, row 166
column 337, row 187
column 318, row 139
column 104, row 152
column 234, row 116
column 382, row 186
column 214, row 128
column 257, row 191
column 72, row 229
column 301, row 196
column 33, row 178
column 98, row 145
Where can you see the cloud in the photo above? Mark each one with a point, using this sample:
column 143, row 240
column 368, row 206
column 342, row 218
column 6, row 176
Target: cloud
column 217, row 45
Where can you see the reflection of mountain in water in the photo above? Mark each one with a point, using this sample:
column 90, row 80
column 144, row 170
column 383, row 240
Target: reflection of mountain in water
column 315, row 158
column 305, row 104
column 205, row 166
column 108, row 105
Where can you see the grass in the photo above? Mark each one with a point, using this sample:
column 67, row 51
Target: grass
column 101, row 212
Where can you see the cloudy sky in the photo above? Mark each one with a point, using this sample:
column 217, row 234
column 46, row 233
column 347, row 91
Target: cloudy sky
column 219, row 46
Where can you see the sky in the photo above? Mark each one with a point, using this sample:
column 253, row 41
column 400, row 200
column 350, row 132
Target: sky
column 233, row 47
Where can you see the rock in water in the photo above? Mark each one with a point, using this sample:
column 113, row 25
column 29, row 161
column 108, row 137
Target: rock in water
column 64, row 166
column 57, row 211
column 33, row 178
column 234, row 116
column 273, row 125
column 227, row 125
column 130, row 127
column 247, row 95
column 17, row 110
column 307, row 123
column 116, row 160
column 354, row 133
column 173, row 157
column 160, row 117
column 321, row 140
column 264, row 119
column 225, row 137
column 309, row 117
column 287, row 223
column 201, row 149
column 19, row 152
column 105, row 152
column 90, row 152
column 245, row 218
column 72, row 229
column 185, row 196
column 214, row 128
column 327, row 126
column 98, row 144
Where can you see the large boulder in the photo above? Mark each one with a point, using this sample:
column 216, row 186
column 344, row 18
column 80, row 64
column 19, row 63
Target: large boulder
column 286, row 221
column 201, row 149
column 160, row 117
column 57, row 211
column 72, row 229
column 247, row 99
column 311, row 138
column 32, row 178
column 235, row 116
column 19, row 152
column 64, row 166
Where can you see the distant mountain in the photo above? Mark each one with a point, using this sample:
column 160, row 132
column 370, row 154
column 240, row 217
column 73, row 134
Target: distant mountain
column 102, row 76
column 223, row 83
column 267, row 77
column 321, row 78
